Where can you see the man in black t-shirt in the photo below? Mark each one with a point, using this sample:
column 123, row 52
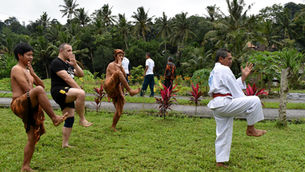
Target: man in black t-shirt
column 65, row 90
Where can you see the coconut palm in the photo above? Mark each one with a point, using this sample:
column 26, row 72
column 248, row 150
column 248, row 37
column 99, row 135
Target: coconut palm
column 104, row 15
column 82, row 16
column 164, row 29
column 124, row 28
column 143, row 22
column 44, row 20
column 233, row 31
column 69, row 8
column 44, row 50
column 181, row 30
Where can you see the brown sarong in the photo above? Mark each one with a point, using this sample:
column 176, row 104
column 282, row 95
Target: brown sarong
column 31, row 116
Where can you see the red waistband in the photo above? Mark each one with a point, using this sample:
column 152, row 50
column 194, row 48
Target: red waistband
column 221, row 95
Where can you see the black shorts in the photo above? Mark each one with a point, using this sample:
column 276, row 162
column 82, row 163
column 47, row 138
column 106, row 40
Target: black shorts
column 59, row 95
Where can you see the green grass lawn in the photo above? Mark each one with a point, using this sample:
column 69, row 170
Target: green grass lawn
column 145, row 142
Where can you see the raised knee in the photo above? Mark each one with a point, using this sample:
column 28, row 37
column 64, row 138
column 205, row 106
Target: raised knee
column 81, row 93
column 39, row 89
column 256, row 100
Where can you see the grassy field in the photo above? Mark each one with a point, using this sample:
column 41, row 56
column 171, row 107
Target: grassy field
column 145, row 142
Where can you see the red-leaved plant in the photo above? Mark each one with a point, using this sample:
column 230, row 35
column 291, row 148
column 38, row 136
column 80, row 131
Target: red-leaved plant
column 253, row 91
column 99, row 94
column 167, row 99
column 195, row 93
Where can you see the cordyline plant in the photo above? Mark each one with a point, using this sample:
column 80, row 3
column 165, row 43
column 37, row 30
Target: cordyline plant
column 253, row 91
column 167, row 99
column 99, row 94
column 195, row 93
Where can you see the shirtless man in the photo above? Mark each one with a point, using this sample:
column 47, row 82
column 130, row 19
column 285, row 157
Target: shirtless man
column 114, row 84
column 28, row 102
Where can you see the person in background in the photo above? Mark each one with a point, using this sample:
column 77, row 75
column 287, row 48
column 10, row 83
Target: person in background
column 169, row 74
column 125, row 65
column 148, row 76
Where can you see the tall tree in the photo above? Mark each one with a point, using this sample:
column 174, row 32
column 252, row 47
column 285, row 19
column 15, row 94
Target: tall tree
column 104, row 15
column 143, row 22
column 124, row 28
column 291, row 60
column 164, row 29
column 82, row 16
column 181, row 30
column 69, row 8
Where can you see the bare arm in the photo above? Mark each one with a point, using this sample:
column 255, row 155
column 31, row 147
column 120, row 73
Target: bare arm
column 145, row 70
column 77, row 70
column 37, row 80
column 67, row 78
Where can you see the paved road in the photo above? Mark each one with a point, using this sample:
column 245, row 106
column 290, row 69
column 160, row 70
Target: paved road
column 202, row 111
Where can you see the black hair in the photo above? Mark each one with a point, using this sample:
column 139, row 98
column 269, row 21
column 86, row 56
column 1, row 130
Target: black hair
column 21, row 49
column 171, row 59
column 148, row 54
column 221, row 53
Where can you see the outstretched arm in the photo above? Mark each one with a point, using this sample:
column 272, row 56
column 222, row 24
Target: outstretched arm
column 245, row 72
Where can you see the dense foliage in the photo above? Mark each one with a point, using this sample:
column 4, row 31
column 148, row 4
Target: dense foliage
column 191, row 40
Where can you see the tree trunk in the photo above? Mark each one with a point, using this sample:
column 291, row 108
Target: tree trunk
column 283, row 97
column 91, row 56
column 47, row 70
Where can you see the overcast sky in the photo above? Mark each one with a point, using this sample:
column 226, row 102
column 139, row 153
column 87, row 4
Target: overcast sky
column 31, row 10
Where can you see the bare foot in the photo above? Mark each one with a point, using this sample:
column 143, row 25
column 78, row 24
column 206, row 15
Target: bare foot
column 67, row 146
column 113, row 129
column 85, row 123
column 255, row 132
column 134, row 92
column 23, row 169
column 221, row 164
column 59, row 119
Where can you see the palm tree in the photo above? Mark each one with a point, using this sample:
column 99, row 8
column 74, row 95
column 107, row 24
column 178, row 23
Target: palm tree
column 142, row 22
column 123, row 28
column 291, row 60
column 44, row 20
column 69, row 8
column 181, row 30
column 233, row 31
column 213, row 12
column 44, row 50
column 104, row 15
column 164, row 29
column 82, row 16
